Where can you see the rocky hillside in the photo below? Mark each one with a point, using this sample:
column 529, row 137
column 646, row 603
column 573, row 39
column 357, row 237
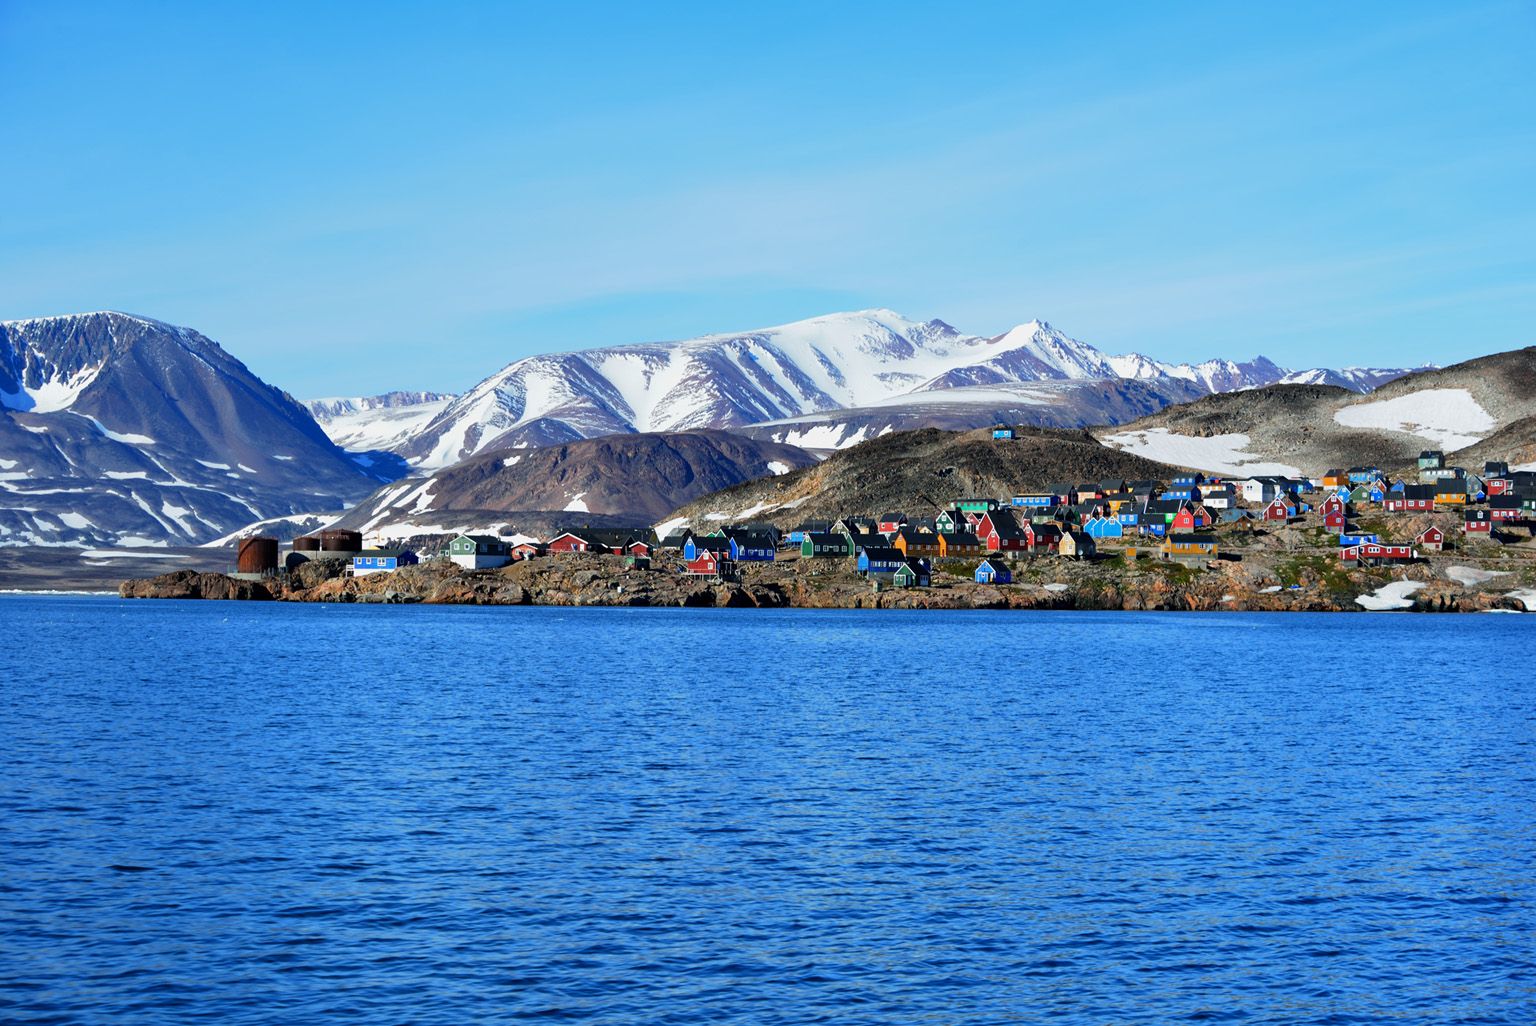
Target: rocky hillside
column 921, row 470
column 1475, row 407
column 1055, row 404
column 638, row 477
column 121, row 430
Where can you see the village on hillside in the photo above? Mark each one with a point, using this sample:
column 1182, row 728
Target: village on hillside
column 1357, row 516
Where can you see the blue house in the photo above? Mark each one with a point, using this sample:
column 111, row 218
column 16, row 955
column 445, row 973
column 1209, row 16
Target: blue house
column 1041, row 500
column 1156, row 528
column 1189, row 480
column 1128, row 518
column 721, row 547
column 1103, row 527
column 1183, row 492
column 381, row 561
column 1002, row 432
column 879, row 559
column 1347, row 540
column 751, row 547
column 992, row 571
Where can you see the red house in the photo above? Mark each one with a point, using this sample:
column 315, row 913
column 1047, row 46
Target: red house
column 1000, row 532
column 1280, row 509
column 1332, row 504
column 526, row 550
column 569, row 542
column 637, row 548
column 1431, row 538
column 1500, row 486
column 1335, row 520
column 1478, row 521
column 1377, row 554
column 1042, row 536
column 709, row 564
column 1191, row 518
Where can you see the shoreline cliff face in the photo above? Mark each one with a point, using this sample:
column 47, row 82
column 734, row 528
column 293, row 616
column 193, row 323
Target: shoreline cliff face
column 1040, row 583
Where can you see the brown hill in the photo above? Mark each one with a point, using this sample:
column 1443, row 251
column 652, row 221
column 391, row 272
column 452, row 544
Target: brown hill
column 639, row 477
column 1471, row 406
column 919, row 472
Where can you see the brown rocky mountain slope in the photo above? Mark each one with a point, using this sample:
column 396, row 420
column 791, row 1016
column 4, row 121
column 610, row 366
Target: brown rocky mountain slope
column 919, row 471
column 637, row 476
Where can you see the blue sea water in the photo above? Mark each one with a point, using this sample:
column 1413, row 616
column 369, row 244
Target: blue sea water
column 249, row 813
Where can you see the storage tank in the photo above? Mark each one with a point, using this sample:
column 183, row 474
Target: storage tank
column 306, row 543
column 256, row 556
column 341, row 541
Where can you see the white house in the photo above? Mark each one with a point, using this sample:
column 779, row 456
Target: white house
column 479, row 552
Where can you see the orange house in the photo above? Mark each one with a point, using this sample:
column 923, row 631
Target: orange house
column 958, row 544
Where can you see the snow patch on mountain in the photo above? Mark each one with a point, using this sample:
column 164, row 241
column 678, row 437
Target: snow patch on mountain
column 1221, row 454
column 841, row 361
column 1449, row 417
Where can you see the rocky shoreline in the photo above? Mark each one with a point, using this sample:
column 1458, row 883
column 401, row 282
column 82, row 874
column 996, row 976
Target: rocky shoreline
column 1041, row 583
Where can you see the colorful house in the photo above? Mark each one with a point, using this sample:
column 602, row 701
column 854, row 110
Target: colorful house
column 1002, row 433
column 1188, row 548
column 993, row 571
column 1039, row 537
column 1431, row 538
column 825, row 546
column 1076, row 545
column 1451, row 492
column 1104, row 527
column 721, row 547
column 959, row 543
column 915, row 543
column 879, row 559
column 1478, row 521
column 479, row 552
column 751, row 546
column 708, row 563
column 1412, row 499
column 381, row 561
column 1281, row 509
column 1377, row 554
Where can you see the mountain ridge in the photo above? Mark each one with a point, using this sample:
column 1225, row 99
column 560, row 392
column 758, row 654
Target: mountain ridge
column 734, row 380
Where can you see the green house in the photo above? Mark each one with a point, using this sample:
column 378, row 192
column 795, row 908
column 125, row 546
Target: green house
column 826, row 546
column 975, row 505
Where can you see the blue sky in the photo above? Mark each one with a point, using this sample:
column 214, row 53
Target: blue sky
column 358, row 198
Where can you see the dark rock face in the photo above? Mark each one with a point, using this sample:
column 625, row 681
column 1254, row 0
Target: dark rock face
column 117, row 428
column 191, row 584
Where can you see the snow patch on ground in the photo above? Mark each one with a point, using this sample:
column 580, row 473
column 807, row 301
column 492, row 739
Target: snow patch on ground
column 128, row 475
column 666, row 527
column 1526, row 597
column 1471, row 576
column 1223, row 454
column 1449, row 417
column 577, row 504
column 214, row 466
column 512, row 461
column 1055, row 587
column 74, row 520
column 777, row 469
column 1391, row 596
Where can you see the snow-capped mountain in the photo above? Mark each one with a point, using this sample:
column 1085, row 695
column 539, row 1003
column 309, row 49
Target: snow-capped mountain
column 121, row 430
column 377, row 421
column 1356, row 379
column 840, row 361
